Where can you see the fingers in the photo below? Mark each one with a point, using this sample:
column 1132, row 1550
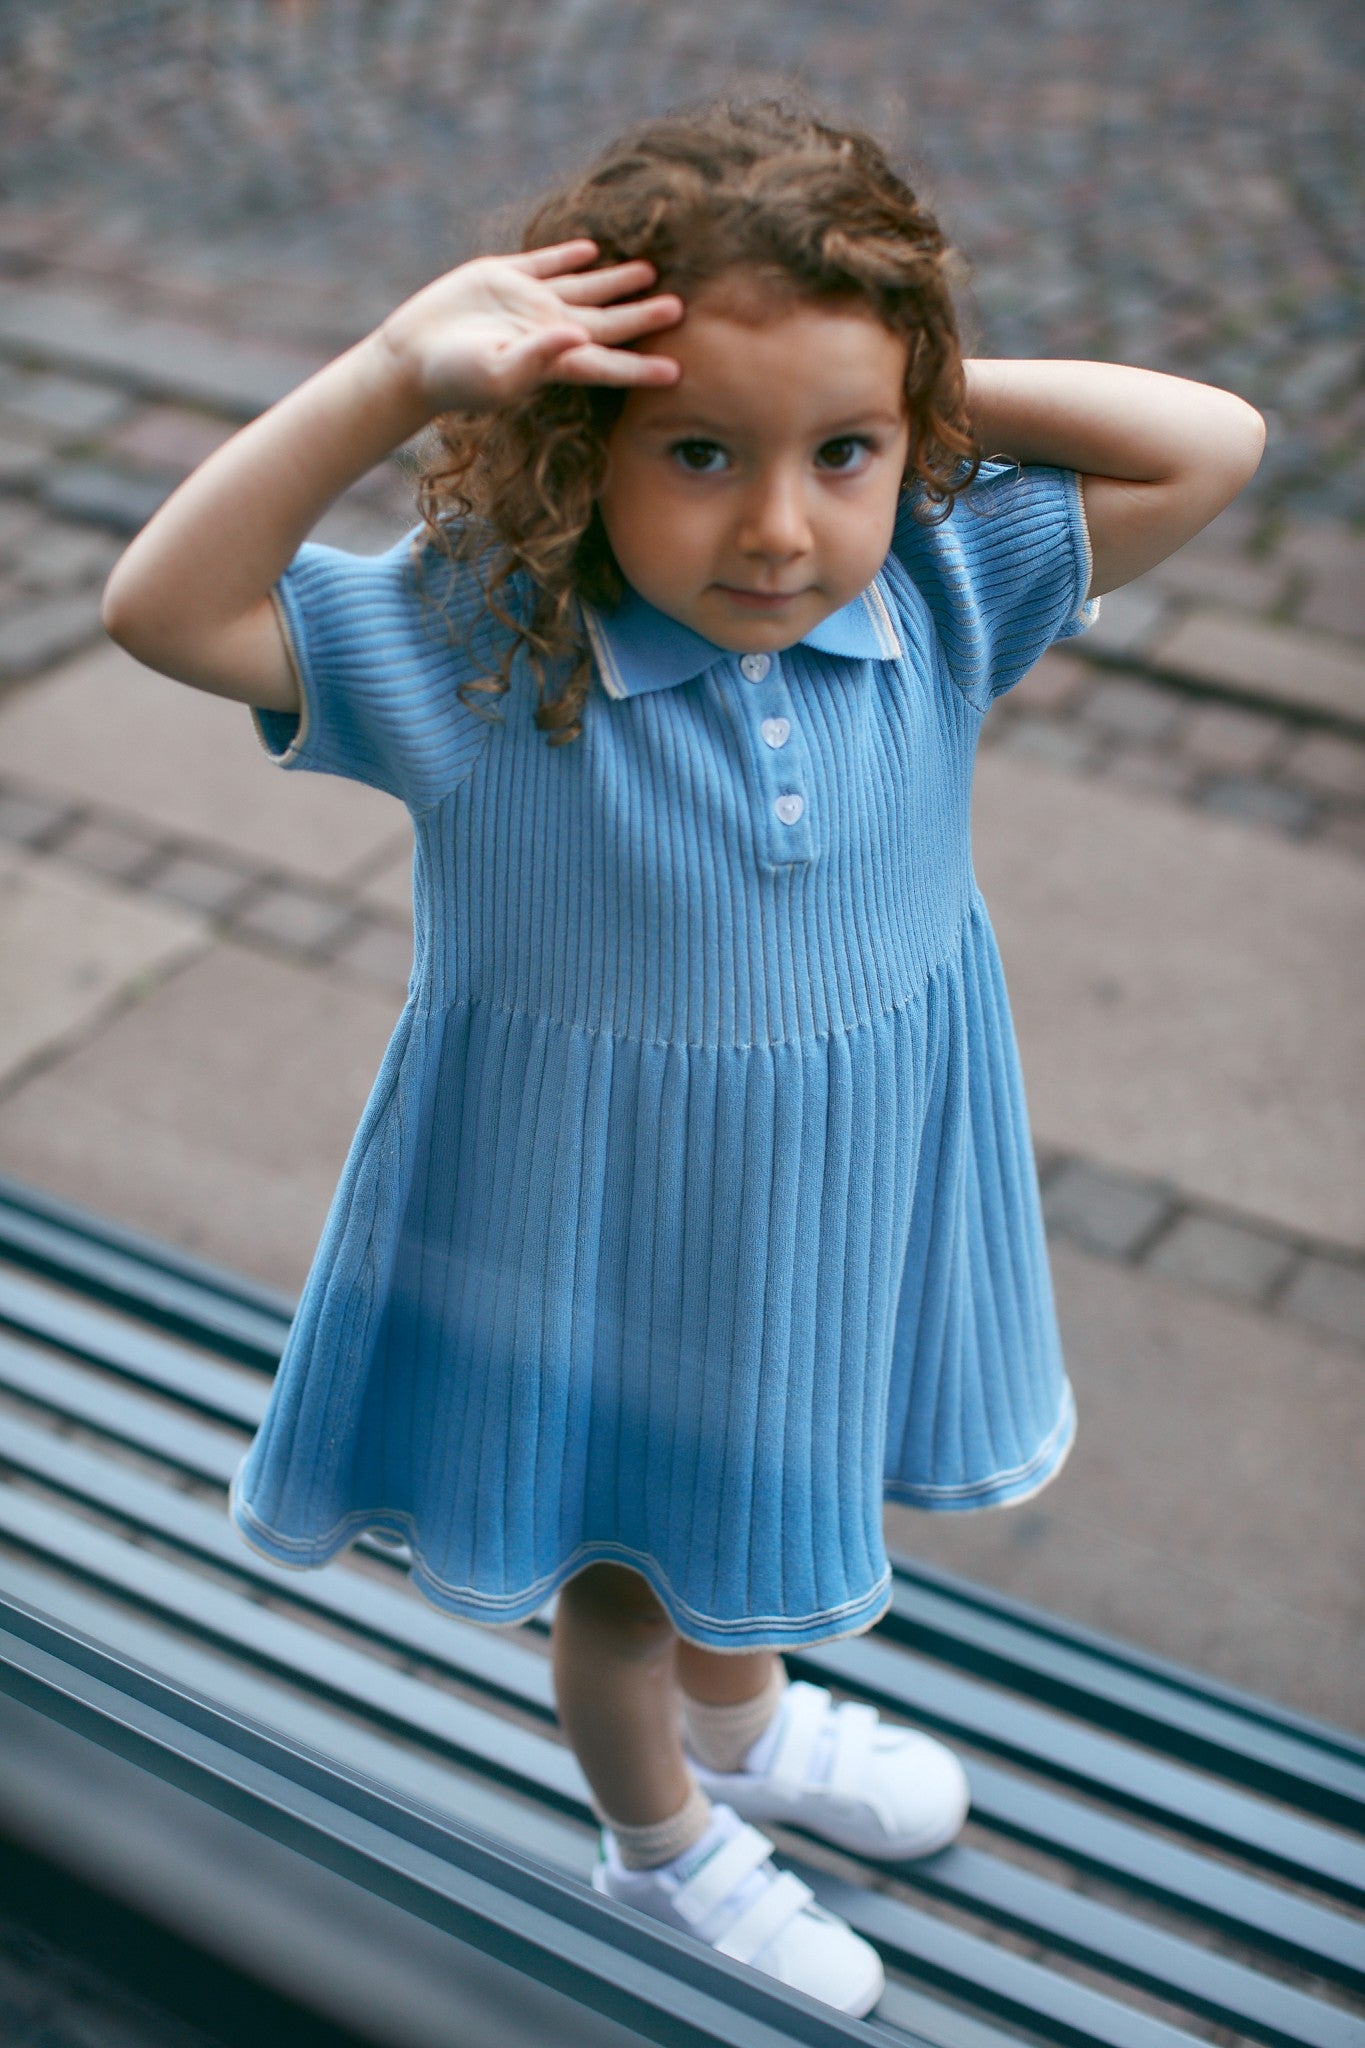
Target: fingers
column 557, row 256
column 615, row 324
column 593, row 365
column 597, row 287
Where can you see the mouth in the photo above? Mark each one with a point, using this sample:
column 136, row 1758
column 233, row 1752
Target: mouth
column 758, row 600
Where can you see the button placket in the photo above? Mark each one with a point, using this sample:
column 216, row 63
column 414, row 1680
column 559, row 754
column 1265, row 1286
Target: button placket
column 778, row 760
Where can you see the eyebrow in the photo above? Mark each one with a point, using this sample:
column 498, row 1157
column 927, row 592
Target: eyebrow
column 701, row 425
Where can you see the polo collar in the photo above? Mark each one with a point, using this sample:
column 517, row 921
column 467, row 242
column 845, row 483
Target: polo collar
column 639, row 648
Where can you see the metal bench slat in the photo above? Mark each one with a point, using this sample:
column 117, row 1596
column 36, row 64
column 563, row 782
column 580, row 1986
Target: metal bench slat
column 439, row 1872
column 1014, row 1895
column 1058, row 2009
column 1042, row 1740
column 1328, row 1780
column 961, row 1706
column 81, row 1395
column 120, row 1348
column 464, row 1797
column 1139, row 1953
column 156, row 1282
column 387, row 1615
column 1011, row 1987
column 246, row 1692
column 1304, row 1934
column 319, row 1664
column 1099, row 1934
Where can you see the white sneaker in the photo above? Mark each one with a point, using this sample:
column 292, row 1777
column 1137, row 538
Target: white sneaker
column 726, row 1891
column 850, row 1777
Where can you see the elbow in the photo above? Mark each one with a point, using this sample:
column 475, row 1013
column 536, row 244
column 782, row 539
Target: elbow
column 119, row 615
column 111, row 613
column 1245, row 443
column 1254, row 432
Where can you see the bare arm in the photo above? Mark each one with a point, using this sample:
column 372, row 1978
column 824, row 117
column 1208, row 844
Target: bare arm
column 1159, row 456
column 190, row 595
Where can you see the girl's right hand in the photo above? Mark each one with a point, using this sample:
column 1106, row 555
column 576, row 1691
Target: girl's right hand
column 501, row 326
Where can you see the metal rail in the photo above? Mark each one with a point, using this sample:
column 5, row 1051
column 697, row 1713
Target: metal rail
column 1162, row 1855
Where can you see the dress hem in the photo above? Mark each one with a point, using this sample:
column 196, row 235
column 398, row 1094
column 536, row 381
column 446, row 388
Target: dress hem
column 709, row 1632
column 1005, row 1489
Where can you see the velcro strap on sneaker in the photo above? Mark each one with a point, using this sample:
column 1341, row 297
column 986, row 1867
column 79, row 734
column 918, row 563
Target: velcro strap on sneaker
column 725, row 1868
column 855, row 1728
column 770, row 1912
column 804, row 1711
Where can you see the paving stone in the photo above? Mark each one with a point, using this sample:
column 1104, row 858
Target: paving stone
column 1105, row 1212
column 35, row 634
column 81, row 328
column 30, row 819
column 18, row 518
column 1317, row 545
column 1335, row 602
column 1055, row 681
column 52, row 557
column 1328, row 763
column 1132, row 709
column 23, row 459
column 390, row 886
column 381, row 951
column 291, row 917
column 73, row 944
column 1345, row 832
column 1223, row 736
column 1147, row 768
column 1228, row 1258
column 1130, row 620
column 1047, row 741
column 107, row 850
column 205, row 885
column 170, row 438
column 216, row 1112
column 1211, row 1508
column 1234, row 580
column 72, row 408
column 121, row 498
column 1189, row 996
column 1279, row 663
column 106, row 732
column 1259, row 803
column 1329, row 1295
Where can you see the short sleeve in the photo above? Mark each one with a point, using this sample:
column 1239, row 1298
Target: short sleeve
column 1005, row 575
column 379, row 664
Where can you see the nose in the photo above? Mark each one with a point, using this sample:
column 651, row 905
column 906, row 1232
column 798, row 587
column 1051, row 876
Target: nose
column 774, row 520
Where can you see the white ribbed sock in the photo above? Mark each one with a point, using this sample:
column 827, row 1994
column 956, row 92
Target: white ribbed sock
column 661, row 1841
column 722, row 1737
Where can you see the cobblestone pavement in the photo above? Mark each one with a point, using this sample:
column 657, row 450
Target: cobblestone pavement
column 200, row 204
column 1176, row 186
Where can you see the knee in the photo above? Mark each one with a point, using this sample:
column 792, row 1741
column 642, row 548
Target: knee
column 613, row 1598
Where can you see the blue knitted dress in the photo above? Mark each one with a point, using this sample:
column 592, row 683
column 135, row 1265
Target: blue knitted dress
column 693, row 1210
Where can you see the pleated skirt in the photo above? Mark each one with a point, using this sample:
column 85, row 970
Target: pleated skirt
column 696, row 1310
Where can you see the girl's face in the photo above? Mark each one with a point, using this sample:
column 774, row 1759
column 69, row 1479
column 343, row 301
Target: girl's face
column 757, row 494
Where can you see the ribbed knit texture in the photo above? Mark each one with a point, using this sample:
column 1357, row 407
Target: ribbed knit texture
column 694, row 1209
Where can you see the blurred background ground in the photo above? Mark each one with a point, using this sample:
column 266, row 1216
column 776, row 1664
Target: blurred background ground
column 199, row 204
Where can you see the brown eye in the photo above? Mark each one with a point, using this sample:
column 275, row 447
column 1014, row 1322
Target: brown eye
column 702, row 458
column 846, row 455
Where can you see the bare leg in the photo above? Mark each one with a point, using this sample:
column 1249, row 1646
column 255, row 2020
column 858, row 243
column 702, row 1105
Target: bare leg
column 721, row 1678
column 616, row 1691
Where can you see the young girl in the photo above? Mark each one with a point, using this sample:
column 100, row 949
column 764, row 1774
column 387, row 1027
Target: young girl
column 693, row 1210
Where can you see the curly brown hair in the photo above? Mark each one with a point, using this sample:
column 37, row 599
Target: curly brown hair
column 762, row 187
